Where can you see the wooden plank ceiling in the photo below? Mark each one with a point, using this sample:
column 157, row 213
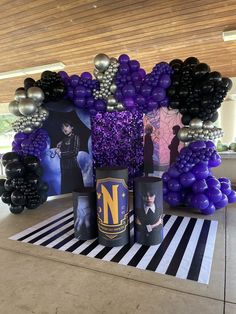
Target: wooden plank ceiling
column 40, row 32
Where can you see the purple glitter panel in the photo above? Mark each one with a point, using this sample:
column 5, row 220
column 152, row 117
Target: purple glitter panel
column 118, row 141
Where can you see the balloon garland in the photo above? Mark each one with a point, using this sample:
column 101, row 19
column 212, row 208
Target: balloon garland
column 118, row 96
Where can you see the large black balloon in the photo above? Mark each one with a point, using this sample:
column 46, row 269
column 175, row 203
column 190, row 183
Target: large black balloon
column 31, row 163
column 10, row 157
column 15, row 169
column 16, row 209
column 214, row 76
column 32, row 179
column 43, row 186
column 227, row 83
column 6, row 197
column 201, row 69
column 191, row 61
column 18, row 198
column 8, row 185
column 2, row 188
column 175, row 61
column 33, row 204
column 214, row 117
column 29, row 82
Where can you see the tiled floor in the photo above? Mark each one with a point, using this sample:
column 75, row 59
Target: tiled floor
column 35, row 279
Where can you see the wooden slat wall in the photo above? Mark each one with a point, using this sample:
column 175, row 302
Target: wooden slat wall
column 41, row 32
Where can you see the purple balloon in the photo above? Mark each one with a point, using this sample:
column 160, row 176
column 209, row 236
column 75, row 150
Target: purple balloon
column 214, row 162
column 100, row 105
column 80, row 91
column 79, row 102
column 128, row 90
column 173, row 172
column 19, row 137
column 174, row 185
column 164, row 81
column 158, row 94
column 227, row 180
column 225, row 188
column 187, row 179
column 129, row 103
column 200, row 171
column 232, row 197
column 124, row 68
column 165, row 189
column 140, row 100
column 200, row 201
column 90, row 102
column 209, row 210
column 195, row 146
column 199, row 186
column 152, row 104
column 213, row 182
column 63, row 75
column 74, row 80
column 173, row 198
column 142, row 73
column 70, row 92
column 146, row 90
column 210, row 144
column 165, row 177
column 164, row 102
column 188, row 198
column 86, row 75
column 214, row 194
column 134, row 65
column 222, row 203
column 123, row 58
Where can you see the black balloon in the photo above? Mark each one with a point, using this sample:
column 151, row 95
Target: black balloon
column 191, row 61
column 6, row 197
column 214, row 117
column 18, row 198
column 175, row 61
column 15, row 169
column 214, row 76
column 43, row 186
column 29, row 82
column 201, row 69
column 16, row 209
column 2, row 188
column 227, row 83
column 10, row 157
column 8, row 185
column 31, row 163
column 43, row 197
column 186, row 119
column 32, row 178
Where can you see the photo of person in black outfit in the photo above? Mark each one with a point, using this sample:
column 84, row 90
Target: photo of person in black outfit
column 67, row 150
column 148, row 220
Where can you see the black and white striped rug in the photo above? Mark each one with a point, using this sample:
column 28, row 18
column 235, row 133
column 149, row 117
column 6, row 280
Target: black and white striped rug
column 186, row 251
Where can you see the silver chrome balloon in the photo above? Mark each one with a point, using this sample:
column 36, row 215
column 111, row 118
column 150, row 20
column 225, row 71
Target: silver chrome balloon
column 208, row 125
column 28, row 129
column 101, row 62
column 36, row 94
column 111, row 101
column 113, row 88
column 27, row 106
column 183, row 134
column 196, row 123
column 13, row 108
column 20, row 94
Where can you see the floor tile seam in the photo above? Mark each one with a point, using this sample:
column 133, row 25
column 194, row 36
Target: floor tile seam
column 47, row 258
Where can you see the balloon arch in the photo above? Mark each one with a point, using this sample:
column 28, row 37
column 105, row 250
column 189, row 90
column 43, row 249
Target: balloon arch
column 116, row 100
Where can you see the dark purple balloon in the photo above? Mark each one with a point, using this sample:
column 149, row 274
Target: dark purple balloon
column 232, row 197
column 225, row 188
column 209, row 210
column 227, row 180
column 152, row 104
column 222, row 203
column 124, row 69
column 158, row 94
column 200, row 201
column 80, row 92
column 74, row 80
column 123, row 58
column 214, row 194
column 210, row 144
column 100, row 105
column 199, row 186
column 140, row 100
column 86, row 75
column 173, row 198
column 134, row 65
column 195, row 146
column 174, row 185
column 79, row 102
column 213, row 182
column 173, row 172
column 146, row 90
column 63, row 75
column 187, row 179
column 142, row 73
column 164, row 81
column 165, row 177
column 200, row 171
column 128, row 91
column 129, row 103
column 19, row 137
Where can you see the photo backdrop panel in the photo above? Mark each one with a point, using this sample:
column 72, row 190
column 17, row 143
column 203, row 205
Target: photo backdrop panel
column 67, row 163
column 170, row 124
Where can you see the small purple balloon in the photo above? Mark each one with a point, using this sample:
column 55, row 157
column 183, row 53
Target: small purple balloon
column 174, row 185
column 100, row 105
column 158, row 94
column 165, row 177
column 79, row 102
column 63, row 75
column 209, row 210
column 199, row 186
column 86, row 75
column 80, row 91
column 214, row 194
column 200, row 201
column 232, row 197
column 173, row 198
column 140, row 100
column 134, row 65
column 227, row 180
column 152, row 104
column 74, row 80
column 19, row 137
column 128, row 91
column 173, row 172
column 142, row 73
column 213, row 182
column 195, row 146
column 146, row 90
column 225, row 188
column 129, row 103
column 187, row 179
column 222, row 203
column 210, row 144
column 164, row 81
column 123, row 58
column 201, row 170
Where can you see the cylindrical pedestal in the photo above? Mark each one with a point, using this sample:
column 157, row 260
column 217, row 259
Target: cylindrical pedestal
column 148, row 209
column 112, row 206
column 85, row 220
